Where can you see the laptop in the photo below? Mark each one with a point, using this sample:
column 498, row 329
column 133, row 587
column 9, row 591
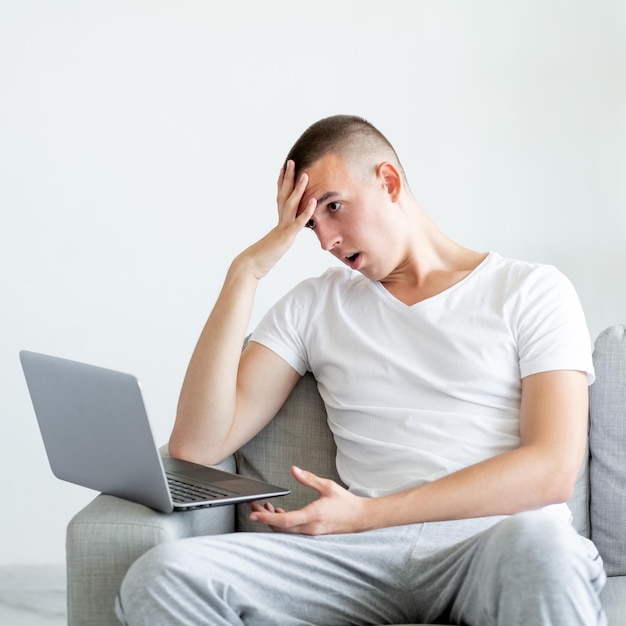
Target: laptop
column 96, row 433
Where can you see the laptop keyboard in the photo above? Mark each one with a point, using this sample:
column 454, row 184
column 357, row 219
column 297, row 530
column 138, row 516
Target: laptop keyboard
column 192, row 492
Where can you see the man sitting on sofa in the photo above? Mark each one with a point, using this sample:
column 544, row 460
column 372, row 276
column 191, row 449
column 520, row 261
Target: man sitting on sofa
column 455, row 383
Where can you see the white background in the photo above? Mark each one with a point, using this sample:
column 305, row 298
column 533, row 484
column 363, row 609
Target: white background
column 140, row 142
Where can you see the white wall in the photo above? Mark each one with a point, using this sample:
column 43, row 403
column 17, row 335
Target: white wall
column 140, row 142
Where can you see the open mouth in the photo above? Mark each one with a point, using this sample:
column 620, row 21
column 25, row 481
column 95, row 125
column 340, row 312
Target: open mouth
column 352, row 258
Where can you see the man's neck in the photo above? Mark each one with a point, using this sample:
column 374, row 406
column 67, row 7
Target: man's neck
column 435, row 271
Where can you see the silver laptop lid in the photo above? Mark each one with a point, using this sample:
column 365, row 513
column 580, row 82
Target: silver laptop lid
column 95, row 428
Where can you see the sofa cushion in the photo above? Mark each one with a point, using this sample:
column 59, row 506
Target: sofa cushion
column 298, row 435
column 607, row 441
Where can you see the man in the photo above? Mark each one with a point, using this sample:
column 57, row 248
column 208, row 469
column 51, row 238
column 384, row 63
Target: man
column 455, row 383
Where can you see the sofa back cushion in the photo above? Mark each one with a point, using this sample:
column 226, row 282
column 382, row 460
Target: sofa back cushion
column 298, row 435
column 607, row 442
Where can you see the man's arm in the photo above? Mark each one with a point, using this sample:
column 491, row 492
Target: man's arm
column 224, row 399
column 542, row 471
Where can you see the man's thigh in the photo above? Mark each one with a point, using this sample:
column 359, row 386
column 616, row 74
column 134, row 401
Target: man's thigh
column 526, row 568
column 423, row 572
column 267, row 578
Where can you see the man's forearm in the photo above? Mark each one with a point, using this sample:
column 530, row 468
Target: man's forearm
column 207, row 402
column 515, row 481
column 210, row 395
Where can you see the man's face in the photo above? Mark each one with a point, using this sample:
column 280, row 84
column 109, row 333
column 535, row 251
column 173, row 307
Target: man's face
column 355, row 219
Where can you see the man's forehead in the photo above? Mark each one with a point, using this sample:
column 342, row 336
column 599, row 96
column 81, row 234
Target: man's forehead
column 321, row 199
column 330, row 162
column 329, row 177
column 328, row 173
column 323, row 175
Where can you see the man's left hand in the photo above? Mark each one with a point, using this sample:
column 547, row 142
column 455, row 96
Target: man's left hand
column 336, row 511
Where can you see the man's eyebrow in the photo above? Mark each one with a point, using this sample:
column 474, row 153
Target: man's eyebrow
column 326, row 196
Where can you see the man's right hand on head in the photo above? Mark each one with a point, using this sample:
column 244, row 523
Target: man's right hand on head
column 266, row 252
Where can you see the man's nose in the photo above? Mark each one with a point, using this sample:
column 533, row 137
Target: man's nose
column 328, row 237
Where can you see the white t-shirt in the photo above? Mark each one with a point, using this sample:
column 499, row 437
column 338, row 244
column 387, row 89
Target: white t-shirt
column 414, row 393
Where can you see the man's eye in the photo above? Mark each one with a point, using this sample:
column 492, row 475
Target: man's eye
column 333, row 207
column 310, row 224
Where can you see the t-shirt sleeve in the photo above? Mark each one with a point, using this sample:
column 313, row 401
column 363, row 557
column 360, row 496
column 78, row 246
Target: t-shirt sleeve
column 280, row 328
column 552, row 330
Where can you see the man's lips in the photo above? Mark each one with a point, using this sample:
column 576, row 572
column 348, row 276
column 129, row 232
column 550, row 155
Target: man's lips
column 353, row 260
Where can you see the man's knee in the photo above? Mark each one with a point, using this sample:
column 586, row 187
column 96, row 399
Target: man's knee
column 541, row 571
column 543, row 556
column 539, row 537
column 150, row 583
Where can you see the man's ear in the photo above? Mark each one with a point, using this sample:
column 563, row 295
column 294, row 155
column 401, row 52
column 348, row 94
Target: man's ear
column 391, row 178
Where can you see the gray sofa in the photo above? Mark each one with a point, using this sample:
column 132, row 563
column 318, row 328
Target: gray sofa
column 109, row 534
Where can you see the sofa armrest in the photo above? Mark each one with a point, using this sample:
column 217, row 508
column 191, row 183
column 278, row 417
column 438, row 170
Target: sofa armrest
column 108, row 535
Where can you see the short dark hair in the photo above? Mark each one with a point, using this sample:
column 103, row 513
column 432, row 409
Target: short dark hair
column 348, row 136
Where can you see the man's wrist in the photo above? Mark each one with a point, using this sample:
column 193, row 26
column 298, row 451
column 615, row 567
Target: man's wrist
column 375, row 513
column 389, row 510
column 242, row 269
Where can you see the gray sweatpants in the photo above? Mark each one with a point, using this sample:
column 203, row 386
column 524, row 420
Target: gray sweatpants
column 530, row 569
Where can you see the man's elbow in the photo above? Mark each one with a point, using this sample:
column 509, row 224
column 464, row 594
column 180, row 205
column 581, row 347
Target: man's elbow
column 560, row 483
column 184, row 448
column 561, row 493
column 179, row 448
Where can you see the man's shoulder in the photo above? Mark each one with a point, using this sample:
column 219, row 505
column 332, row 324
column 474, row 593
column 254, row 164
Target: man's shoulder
column 338, row 274
column 335, row 276
column 520, row 271
column 505, row 263
column 316, row 289
column 529, row 286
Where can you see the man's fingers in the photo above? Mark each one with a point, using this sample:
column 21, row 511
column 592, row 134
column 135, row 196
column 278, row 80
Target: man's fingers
column 279, row 520
column 290, row 192
column 309, row 479
column 267, row 506
column 307, row 212
column 298, row 191
column 285, row 181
